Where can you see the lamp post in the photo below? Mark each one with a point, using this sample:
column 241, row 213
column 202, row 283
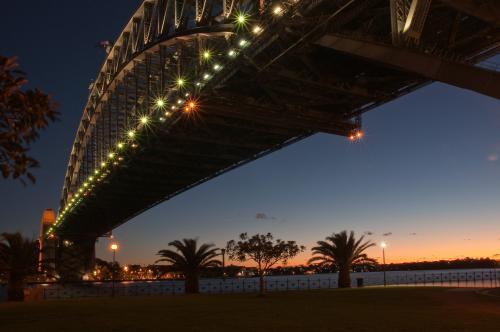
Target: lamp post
column 223, row 252
column 383, row 245
column 113, row 247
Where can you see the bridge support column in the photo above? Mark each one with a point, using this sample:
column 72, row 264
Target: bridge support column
column 75, row 257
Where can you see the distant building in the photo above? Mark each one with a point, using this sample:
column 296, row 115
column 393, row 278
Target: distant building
column 47, row 245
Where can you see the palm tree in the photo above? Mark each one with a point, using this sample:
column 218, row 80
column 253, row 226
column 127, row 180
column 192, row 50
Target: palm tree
column 18, row 260
column 343, row 251
column 190, row 260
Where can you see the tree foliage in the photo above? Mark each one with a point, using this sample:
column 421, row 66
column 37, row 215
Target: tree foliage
column 263, row 250
column 23, row 114
column 190, row 259
column 18, row 261
column 343, row 251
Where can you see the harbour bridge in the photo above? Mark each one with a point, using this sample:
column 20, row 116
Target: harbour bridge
column 194, row 88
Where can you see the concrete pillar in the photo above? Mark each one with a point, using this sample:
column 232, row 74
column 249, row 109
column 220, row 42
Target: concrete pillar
column 75, row 257
column 46, row 244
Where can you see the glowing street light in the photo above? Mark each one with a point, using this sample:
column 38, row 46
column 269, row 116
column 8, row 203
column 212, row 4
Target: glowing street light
column 113, row 247
column 223, row 253
column 383, row 245
column 144, row 120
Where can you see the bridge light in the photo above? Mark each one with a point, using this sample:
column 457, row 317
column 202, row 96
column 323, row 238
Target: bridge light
column 91, row 178
column 131, row 133
column 206, row 54
column 160, row 103
column 80, row 190
column 231, row 53
column 241, row 19
column 206, row 76
column 257, row 29
column 186, row 95
column 167, row 113
column 85, row 184
column 134, row 145
column 243, row 43
column 217, row 67
column 111, row 155
column 144, row 120
column 180, row 82
column 96, row 171
column 103, row 164
column 162, row 119
column 357, row 135
column 278, row 10
column 180, row 101
column 120, row 145
column 198, row 83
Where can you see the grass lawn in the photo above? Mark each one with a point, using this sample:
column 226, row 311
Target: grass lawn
column 369, row 309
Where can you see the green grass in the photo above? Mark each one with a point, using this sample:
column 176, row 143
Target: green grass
column 369, row 309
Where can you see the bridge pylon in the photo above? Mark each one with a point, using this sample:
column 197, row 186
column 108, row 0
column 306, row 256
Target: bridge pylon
column 75, row 257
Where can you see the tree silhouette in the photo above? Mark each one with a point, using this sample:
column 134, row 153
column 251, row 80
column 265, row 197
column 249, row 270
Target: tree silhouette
column 190, row 260
column 18, row 261
column 343, row 251
column 264, row 251
column 22, row 115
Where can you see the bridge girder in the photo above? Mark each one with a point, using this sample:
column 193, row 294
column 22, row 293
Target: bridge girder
column 462, row 75
column 278, row 89
column 487, row 10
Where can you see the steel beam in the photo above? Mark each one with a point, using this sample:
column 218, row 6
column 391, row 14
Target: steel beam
column 464, row 76
column 487, row 11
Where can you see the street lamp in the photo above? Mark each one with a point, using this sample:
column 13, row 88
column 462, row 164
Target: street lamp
column 113, row 247
column 223, row 252
column 383, row 245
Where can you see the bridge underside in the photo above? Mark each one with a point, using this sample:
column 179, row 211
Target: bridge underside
column 317, row 72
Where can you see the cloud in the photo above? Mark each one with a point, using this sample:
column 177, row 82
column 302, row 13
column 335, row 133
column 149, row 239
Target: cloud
column 387, row 234
column 263, row 216
column 368, row 233
column 413, row 234
column 468, row 239
column 496, row 255
column 492, row 157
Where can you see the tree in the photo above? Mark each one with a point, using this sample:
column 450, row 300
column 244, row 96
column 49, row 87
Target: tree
column 343, row 251
column 190, row 260
column 264, row 251
column 18, row 261
column 23, row 114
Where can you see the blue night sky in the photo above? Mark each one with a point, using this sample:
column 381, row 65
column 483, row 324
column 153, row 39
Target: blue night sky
column 427, row 171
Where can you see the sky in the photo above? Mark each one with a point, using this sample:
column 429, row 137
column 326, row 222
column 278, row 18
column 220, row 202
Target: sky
column 425, row 178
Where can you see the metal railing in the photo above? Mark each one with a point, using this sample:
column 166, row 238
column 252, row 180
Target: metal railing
column 486, row 278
